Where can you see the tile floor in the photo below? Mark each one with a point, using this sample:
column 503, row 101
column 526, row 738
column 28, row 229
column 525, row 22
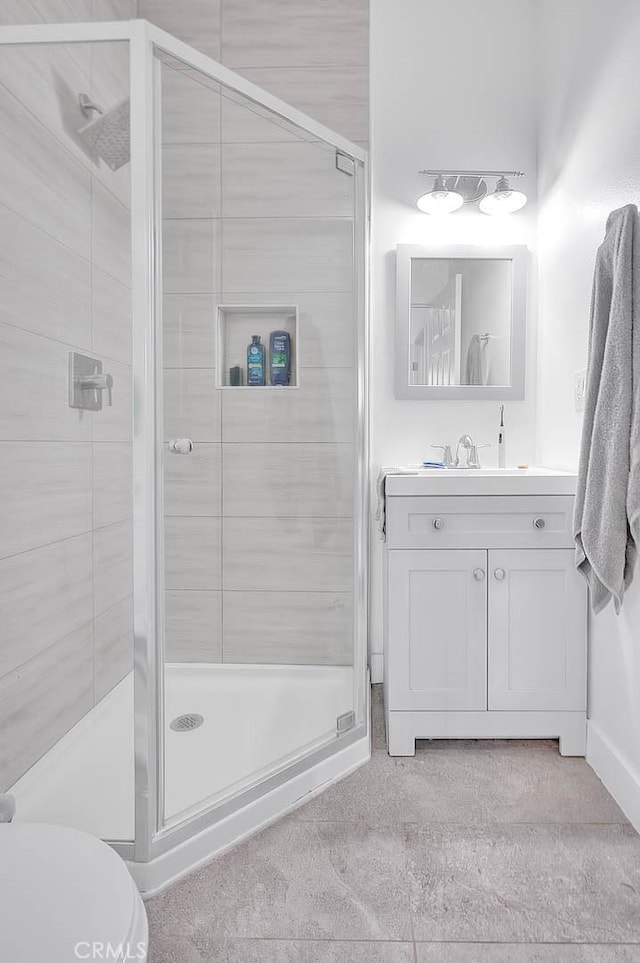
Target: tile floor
column 471, row 852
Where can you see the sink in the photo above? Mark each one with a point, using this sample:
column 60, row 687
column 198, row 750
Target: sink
column 415, row 480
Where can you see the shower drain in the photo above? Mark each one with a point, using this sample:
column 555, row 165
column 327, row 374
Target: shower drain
column 190, row 720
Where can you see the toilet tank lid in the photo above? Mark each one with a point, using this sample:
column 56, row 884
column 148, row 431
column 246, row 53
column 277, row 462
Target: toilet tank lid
column 60, row 887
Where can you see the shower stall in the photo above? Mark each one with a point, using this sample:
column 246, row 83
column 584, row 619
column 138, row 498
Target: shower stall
column 183, row 570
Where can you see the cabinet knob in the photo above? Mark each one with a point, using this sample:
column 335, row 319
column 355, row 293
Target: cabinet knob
column 438, row 524
column 478, row 574
column 499, row 574
column 539, row 522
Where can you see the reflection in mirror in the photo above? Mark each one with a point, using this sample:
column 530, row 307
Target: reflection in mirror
column 460, row 321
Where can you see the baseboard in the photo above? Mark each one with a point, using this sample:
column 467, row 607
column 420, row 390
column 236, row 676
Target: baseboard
column 615, row 773
column 376, row 665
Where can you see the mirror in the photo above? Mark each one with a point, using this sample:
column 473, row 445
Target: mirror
column 460, row 323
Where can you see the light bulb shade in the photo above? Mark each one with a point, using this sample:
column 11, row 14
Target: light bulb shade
column 440, row 200
column 503, row 200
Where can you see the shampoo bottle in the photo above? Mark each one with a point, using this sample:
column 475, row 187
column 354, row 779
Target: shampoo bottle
column 502, row 440
column 255, row 361
column 279, row 358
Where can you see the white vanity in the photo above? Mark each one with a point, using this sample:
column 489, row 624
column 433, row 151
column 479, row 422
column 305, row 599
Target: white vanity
column 485, row 615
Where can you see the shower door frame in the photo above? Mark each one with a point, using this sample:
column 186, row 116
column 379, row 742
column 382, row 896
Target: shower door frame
column 151, row 840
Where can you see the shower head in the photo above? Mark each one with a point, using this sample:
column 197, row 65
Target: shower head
column 107, row 134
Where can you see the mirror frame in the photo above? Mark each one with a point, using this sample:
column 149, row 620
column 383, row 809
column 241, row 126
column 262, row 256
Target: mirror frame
column 518, row 255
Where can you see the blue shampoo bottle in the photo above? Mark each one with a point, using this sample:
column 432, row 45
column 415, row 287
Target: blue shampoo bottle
column 255, row 361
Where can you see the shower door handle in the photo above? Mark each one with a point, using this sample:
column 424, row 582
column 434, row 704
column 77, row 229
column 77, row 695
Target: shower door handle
column 181, row 446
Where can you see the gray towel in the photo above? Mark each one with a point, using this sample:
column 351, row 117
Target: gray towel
column 477, row 362
column 608, row 490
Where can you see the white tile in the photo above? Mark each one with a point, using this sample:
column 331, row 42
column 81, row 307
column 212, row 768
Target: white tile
column 110, row 318
column 279, row 32
column 243, row 121
column 191, row 180
column 322, row 408
column 109, row 87
column 284, row 180
column 192, row 483
column 112, row 483
column 113, row 646
column 112, row 565
column 189, row 331
column 197, row 22
column 44, row 595
column 288, row 554
column 46, row 493
column 191, row 404
column 115, row 9
column 327, row 334
column 190, row 110
column 114, row 422
column 292, row 628
column 45, row 287
column 191, row 256
column 193, row 627
column 46, row 80
column 110, row 235
column 288, row 480
column 42, row 700
column 192, row 553
column 337, row 97
column 41, row 180
column 287, row 254
column 34, row 398
column 64, row 11
column 17, row 11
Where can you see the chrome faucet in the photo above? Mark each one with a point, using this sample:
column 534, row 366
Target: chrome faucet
column 468, row 444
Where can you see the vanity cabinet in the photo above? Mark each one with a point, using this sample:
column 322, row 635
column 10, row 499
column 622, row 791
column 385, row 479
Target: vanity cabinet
column 485, row 621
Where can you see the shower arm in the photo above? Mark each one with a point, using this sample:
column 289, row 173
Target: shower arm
column 87, row 105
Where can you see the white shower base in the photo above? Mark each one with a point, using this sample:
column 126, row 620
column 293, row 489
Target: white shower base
column 257, row 719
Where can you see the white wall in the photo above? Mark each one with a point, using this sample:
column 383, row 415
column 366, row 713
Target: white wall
column 461, row 105
column 589, row 164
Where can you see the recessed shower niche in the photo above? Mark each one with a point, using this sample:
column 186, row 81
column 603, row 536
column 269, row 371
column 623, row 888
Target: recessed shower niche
column 238, row 324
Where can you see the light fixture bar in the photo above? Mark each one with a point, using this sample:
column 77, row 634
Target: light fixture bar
column 445, row 173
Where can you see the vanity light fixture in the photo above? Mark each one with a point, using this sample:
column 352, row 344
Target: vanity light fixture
column 440, row 200
column 452, row 189
column 503, row 200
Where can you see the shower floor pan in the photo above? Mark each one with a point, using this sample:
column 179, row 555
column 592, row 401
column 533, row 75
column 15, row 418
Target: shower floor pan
column 255, row 720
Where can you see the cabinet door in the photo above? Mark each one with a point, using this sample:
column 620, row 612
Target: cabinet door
column 437, row 630
column 537, row 630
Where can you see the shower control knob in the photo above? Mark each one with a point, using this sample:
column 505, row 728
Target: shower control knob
column 181, row 446
column 499, row 574
column 438, row 524
column 478, row 574
column 539, row 523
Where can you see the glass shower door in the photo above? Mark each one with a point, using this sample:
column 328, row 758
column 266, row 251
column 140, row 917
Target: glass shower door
column 261, row 431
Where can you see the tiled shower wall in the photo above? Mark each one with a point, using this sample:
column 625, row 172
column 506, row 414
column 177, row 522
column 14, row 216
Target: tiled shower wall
column 65, row 543
column 259, row 518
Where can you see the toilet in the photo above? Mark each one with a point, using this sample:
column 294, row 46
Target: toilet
column 66, row 896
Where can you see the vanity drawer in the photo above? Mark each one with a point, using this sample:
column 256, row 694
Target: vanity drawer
column 495, row 521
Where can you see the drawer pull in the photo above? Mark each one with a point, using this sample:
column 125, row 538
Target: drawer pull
column 478, row 574
column 539, row 523
column 438, row 524
column 499, row 574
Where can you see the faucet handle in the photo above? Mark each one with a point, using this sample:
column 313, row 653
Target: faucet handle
column 473, row 460
column 447, row 457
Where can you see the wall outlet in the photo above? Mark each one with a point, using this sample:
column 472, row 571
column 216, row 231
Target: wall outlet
column 579, row 388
